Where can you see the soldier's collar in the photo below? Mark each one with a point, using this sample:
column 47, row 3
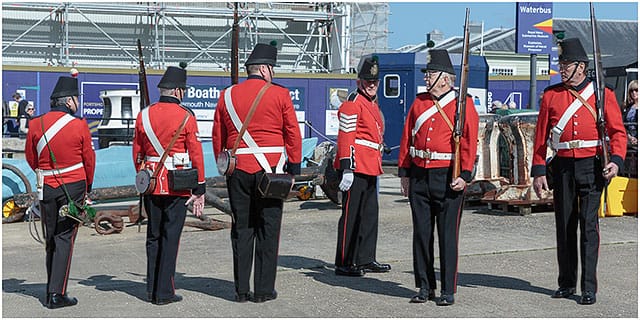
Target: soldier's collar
column 442, row 95
column 60, row 108
column 582, row 85
column 362, row 93
column 169, row 99
column 255, row 76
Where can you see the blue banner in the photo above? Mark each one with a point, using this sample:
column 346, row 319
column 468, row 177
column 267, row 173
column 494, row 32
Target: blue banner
column 534, row 27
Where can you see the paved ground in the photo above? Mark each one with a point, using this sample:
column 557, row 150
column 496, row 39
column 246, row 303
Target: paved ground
column 507, row 268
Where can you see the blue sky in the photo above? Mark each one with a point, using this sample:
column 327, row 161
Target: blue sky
column 409, row 22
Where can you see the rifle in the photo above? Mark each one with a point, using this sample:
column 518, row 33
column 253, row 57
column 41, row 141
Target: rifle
column 599, row 89
column 235, row 36
column 142, row 80
column 461, row 105
column 144, row 102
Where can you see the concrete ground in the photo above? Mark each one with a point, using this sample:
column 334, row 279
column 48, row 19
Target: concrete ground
column 507, row 268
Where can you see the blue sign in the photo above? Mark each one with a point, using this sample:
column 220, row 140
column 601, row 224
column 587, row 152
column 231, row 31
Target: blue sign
column 534, row 27
column 297, row 97
column 198, row 97
column 206, row 97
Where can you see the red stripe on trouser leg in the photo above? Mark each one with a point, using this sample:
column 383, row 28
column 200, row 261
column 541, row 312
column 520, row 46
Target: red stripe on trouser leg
column 66, row 275
column 344, row 228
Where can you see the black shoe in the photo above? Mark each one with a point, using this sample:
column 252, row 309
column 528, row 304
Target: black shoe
column 375, row 267
column 57, row 300
column 423, row 295
column 563, row 293
column 175, row 298
column 244, row 297
column 349, row 271
column 445, row 300
column 588, row 297
column 259, row 298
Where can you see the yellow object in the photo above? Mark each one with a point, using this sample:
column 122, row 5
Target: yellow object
column 622, row 197
column 9, row 208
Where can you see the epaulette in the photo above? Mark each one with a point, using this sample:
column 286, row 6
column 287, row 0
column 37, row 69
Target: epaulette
column 553, row 86
column 188, row 109
column 279, row 85
column 352, row 96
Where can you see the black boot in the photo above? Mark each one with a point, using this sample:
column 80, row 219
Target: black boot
column 57, row 300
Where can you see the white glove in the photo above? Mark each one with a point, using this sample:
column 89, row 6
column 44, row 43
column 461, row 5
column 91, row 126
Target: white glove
column 198, row 204
column 347, row 180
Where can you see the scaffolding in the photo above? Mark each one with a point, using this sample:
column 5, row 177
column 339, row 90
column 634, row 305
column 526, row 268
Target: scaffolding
column 321, row 37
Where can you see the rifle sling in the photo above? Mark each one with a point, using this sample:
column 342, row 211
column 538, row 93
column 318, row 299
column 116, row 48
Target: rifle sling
column 584, row 103
column 444, row 115
column 245, row 125
column 166, row 151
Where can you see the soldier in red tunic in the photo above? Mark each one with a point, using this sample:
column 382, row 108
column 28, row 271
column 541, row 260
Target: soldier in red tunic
column 567, row 124
column 156, row 126
column 359, row 159
column 64, row 161
column 425, row 166
column 270, row 133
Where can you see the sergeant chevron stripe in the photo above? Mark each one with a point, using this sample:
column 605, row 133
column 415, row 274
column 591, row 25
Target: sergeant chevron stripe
column 348, row 123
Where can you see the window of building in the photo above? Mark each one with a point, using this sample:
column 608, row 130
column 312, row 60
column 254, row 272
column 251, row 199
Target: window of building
column 501, row 71
column 391, row 86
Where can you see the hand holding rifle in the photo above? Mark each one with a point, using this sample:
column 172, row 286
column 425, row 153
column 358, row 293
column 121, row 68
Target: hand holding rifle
column 610, row 169
column 457, row 183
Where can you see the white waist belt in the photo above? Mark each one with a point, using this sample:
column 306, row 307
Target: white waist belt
column 260, row 150
column 47, row 173
column 258, row 153
column 369, row 144
column 429, row 155
column 168, row 162
column 575, row 144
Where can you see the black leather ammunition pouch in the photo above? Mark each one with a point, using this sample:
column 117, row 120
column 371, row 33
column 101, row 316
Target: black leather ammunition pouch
column 275, row 185
column 182, row 180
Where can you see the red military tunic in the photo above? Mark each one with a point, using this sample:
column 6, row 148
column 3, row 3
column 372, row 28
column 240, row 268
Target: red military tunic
column 71, row 146
column 581, row 126
column 360, row 136
column 274, row 124
column 435, row 135
column 165, row 117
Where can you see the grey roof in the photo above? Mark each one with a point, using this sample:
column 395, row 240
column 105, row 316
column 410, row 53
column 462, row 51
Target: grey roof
column 618, row 40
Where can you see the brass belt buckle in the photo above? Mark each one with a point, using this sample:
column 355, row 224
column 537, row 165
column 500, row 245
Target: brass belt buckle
column 573, row 144
column 427, row 154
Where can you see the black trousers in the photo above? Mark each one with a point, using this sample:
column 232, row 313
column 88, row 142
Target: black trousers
column 578, row 184
column 60, row 233
column 434, row 203
column 166, row 216
column 256, row 224
column 358, row 225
